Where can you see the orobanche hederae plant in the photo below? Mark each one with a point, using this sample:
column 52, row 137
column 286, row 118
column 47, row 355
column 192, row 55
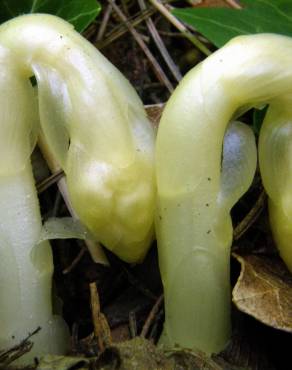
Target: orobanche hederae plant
column 96, row 128
column 95, row 125
column 197, row 189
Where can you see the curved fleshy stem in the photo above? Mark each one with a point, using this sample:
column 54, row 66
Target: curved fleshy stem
column 196, row 281
column 97, row 129
column 26, row 266
column 275, row 157
column 95, row 125
column 194, row 230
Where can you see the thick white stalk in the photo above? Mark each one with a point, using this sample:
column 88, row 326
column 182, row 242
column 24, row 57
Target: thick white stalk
column 97, row 129
column 275, row 155
column 193, row 224
column 26, row 267
column 196, row 280
column 26, row 271
column 195, row 272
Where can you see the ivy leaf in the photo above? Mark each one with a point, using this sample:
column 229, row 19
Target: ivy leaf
column 80, row 13
column 219, row 25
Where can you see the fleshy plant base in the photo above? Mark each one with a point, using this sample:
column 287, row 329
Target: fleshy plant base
column 96, row 128
column 196, row 193
column 195, row 234
column 197, row 290
column 26, row 270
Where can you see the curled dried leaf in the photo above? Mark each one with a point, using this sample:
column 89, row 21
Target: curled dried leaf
column 264, row 291
column 154, row 113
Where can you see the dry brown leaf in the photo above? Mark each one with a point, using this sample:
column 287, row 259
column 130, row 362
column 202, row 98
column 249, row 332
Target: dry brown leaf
column 154, row 113
column 264, row 291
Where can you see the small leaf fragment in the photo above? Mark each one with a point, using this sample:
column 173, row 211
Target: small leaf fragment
column 50, row 362
column 154, row 113
column 63, row 228
column 264, row 291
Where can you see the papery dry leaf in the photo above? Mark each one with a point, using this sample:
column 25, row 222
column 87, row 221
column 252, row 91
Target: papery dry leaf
column 264, row 291
column 154, row 113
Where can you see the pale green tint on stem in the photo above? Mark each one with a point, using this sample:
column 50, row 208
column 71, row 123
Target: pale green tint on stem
column 26, row 268
column 196, row 281
column 16, row 140
column 275, row 154
column 193, row 224
column 96, row 126
column 97, row 129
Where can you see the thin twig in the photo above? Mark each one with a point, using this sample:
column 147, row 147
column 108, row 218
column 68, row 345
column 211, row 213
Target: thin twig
column 90, row 31
column 102, row 331
column 95, row 313
column 234, row 4
column 151, row 316
column 104, row 23
column 57, row 204
column 49, row 181
column 12, row 354
column 160, row 45
column 156, row 67
column 180, row 26
column 74, row 337
column 132, row 324
column 121, row 29
column 251, row 217
column 75, row 261
column 138, row 284
column 153, row 332
column 170, row 34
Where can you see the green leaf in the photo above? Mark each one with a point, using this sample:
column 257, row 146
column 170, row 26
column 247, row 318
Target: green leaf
column 78, row 12
column 219, row 25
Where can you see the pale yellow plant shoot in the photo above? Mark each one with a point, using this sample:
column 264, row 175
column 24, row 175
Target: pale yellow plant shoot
column 196, row 191
column 96, row 127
